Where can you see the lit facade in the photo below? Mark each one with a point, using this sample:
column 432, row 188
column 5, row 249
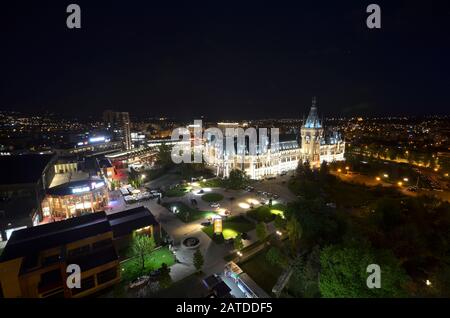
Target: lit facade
column 313, row 146
column 76, row 198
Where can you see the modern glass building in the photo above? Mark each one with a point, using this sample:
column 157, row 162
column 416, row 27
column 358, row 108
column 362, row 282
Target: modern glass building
column 75, row 198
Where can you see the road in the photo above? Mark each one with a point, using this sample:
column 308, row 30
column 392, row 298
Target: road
column 369, row 181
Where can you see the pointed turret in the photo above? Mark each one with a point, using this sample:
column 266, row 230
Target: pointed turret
column 313, row 120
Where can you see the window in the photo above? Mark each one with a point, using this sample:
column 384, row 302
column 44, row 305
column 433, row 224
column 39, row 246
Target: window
column 50, row 259
column 79, row 251
column 107, row 275
column 86, row 283
column 102, row 243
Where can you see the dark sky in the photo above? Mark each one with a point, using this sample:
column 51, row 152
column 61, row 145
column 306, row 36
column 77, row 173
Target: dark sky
column 225, row 59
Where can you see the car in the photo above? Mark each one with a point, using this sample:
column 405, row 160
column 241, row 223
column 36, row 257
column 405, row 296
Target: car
column 229, row 241
column 275, row 196
column 206, row 223
column 244, row 236
column 215, row 205
column 139, row 282
column 201, row 191
column 154, row 273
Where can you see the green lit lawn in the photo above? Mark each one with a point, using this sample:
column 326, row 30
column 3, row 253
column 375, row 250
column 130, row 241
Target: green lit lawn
column 267, row 214
column 212, row 197
column 131, row 269
column 186, row 213
column 261, row 271
column 231, row 228
column 212, row 183
column 178, row 191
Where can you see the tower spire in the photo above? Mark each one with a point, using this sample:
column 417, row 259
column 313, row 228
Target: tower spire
column 314, row 102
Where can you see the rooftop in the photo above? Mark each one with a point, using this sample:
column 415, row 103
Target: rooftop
column 23, row 169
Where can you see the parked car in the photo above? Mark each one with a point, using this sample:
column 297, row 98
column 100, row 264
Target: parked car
column 206, row 223
column 155, row 273
column 215, row 205
column 139, row 282
column 244, row 236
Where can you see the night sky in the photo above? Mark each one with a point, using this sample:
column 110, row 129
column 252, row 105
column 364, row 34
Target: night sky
column 225, row 59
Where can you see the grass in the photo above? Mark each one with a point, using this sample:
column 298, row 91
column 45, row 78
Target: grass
column 131, row 268
column 267, row 214
column 261, row 271
column 178, row 191
column 212, row 197
column 186, row 213
column 231, row 227
column 213, row 183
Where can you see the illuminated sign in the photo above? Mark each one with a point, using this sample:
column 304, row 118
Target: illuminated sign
column 96, row 185
column 97, row 139
column 217, row 225
column 81, row 189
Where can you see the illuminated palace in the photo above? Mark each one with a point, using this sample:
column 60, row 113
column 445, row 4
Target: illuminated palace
column 314, row 144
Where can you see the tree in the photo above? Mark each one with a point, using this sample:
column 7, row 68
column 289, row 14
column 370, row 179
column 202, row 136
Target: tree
column 303, row 170
column 294, row 232
column 344, row 273
column 279, row 222
column 261, row 231
column 304, row 281
column 164, row 279
column 276, row 257
column 237, row 179
column 324, row 171
column 164, row 156
column 238, row 243
column 142, row 246
column 198, row 260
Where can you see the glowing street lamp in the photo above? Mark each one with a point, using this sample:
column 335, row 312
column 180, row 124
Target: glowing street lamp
column 428, row 282
column 378, row 178
column 400, row 183
column 339, row 170
column 239, row 253
column 386, row 175
column 279, row 233
column 405, row 179
column 347, row 168
column 142, row 176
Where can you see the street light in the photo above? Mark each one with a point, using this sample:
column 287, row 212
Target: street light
column 386, row 175
column 142, row 176
column 279, row 233
column 339, row 170
column 405, row 179
column 378, row 178
column 347, row 168
column 428, row 282
column 239, row 254
column 400, row 183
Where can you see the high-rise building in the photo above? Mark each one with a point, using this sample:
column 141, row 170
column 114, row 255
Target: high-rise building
column 119, row 123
